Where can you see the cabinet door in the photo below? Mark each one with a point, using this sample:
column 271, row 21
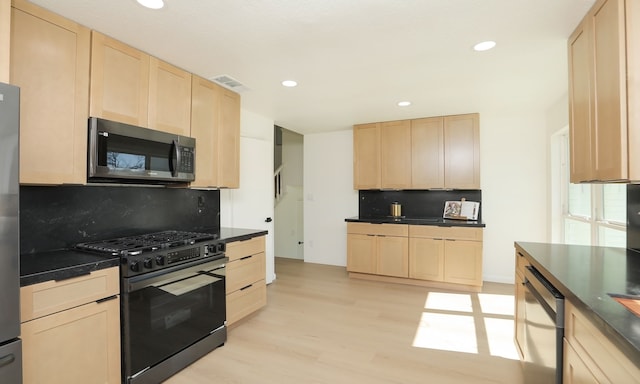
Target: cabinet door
column 50, row 64
column 366, row 156
column 361, row 253
column 169, row 98
column 462, row 151
column 520, row 336
column 79, row 345
column 575, row 371
column 463, row 262
column 119, row 81
column 395, row 154
column 580, row 119
column 610, row 134
column 427, row 153
column 426, row 259
column 393, row 256
column 204, row 128
column 229, row 140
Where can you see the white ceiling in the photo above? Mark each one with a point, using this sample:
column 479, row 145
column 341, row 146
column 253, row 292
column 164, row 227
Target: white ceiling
column 355, row 59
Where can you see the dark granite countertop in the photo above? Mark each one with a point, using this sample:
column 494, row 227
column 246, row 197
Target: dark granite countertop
column 61, row 264
column 585, row 275
column 67, row 263
column 240, row 234
column 437, row 221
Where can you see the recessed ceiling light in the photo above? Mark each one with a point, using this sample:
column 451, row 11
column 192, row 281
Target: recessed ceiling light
column 484, row 46
column 404, row 103
column 289, row 83
column 153, row 4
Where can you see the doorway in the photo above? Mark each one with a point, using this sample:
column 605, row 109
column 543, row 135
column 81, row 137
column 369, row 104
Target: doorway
column 288, row 194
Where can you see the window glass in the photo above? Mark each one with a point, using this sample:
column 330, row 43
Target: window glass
column 580, row 200
column 577, row 232
column 611, row 237
column 614, row 203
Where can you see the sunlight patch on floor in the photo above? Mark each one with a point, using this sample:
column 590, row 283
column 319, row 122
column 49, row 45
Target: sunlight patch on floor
column 449, row 302
column 448, row 323
column 500, row 338
column 456, row 333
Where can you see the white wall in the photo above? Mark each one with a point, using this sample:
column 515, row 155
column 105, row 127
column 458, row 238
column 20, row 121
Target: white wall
column 514, row 187
column 514, row 190
column 252, row 203
column 329, row 197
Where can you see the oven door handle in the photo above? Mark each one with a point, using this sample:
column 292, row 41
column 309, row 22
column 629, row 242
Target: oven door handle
column 180, row 287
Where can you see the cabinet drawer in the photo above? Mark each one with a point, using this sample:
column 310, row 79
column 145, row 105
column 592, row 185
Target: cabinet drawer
column 521, row 263
column 378, row 229
column 53, row 296
column 455, row 233
column 597, row 352
column 246, row 301
column 245, row 271
column 238, row 249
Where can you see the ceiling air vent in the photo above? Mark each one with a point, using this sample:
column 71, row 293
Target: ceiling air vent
column 231, row 83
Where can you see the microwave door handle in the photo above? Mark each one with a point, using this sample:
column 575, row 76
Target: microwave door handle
column 176, row 152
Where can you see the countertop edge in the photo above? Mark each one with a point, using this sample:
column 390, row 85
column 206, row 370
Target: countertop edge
column 436, row 222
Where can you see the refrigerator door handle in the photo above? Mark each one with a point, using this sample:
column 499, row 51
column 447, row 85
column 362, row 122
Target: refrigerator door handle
column 7, row 359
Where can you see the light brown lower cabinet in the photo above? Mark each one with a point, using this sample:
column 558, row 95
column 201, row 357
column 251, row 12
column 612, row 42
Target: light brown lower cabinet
column 378, row 249
column 520, row 328
column 79, row 343
column 415, row 254
column 589, row 356
column 245, row 281
column 446, row 254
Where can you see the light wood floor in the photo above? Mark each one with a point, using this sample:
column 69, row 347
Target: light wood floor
column 319, row 326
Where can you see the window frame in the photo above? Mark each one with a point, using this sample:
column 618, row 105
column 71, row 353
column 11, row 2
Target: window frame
column 560, row 190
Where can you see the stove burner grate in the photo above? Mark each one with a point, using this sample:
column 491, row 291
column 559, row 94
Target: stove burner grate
column 134, row 245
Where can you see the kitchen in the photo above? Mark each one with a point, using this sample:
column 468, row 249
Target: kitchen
column 326, row 205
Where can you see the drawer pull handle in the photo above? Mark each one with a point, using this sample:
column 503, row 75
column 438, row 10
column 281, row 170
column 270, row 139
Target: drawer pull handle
column 520, row 254
column 246, row 257
column 106, row 299
column 247, row 287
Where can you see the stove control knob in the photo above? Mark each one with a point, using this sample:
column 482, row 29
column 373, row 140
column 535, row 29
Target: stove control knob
column 134, row 266
column 160, row 260
column 148, row 263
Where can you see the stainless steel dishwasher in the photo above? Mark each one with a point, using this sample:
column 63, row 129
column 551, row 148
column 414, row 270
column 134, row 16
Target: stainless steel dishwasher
column 544, row 329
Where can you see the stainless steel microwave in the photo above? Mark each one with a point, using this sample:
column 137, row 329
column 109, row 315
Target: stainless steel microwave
column 123, row 153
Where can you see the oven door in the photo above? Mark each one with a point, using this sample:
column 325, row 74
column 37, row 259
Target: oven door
column 168, row 310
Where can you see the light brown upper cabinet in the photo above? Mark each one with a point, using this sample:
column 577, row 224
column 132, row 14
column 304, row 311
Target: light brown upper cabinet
column 366, row 156
column 429, row 153
column 395, row 154
column 462, row 151
column 119, row 81
column 604, row 93
column 215, row 124
column 229, row 136
column 50, row 64
column 131, row 87
column 169, row 98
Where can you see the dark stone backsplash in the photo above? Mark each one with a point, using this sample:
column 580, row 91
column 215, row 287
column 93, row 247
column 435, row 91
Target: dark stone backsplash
column 415, row 203
column 58, row 217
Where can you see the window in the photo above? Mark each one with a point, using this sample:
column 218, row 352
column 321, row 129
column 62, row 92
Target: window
column 590, row 214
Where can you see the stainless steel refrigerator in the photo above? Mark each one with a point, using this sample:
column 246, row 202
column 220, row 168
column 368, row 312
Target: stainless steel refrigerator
column 10, row 344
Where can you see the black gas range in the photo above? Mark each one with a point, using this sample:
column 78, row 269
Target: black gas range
column 172, row 300
column 155, row 251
